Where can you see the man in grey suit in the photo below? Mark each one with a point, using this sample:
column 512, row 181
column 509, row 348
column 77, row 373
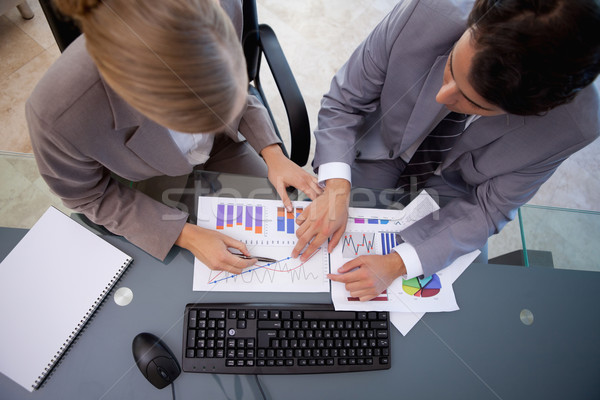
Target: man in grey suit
column 519, row 71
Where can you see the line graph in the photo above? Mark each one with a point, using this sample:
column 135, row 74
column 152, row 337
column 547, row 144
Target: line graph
column 285, row 274
column 363, row 245
column 296, row 273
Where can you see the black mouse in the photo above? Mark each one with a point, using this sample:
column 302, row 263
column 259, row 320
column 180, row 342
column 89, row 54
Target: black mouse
column 155, row 360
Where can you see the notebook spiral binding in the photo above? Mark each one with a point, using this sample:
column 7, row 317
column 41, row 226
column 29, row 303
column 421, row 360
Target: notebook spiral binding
column 81, row 326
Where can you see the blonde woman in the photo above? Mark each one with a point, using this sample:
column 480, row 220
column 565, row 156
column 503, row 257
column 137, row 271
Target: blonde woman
column 153, row 89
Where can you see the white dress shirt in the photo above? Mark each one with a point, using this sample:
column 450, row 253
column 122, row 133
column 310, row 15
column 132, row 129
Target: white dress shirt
column 341, row 170
column 195, row 147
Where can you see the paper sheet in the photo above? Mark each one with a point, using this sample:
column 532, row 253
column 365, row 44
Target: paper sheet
column 405, row 321
column 373, row 231
column 268, row 230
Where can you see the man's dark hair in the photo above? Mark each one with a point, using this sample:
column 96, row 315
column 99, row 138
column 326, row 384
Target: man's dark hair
column 533, row 55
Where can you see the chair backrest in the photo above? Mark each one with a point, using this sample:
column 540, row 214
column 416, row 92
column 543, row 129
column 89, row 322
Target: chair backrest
column 63, row 28
column 250, row 38
column 65, row 31
column 255, row 44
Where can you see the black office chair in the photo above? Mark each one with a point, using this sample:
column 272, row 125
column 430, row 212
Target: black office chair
column 257, row 40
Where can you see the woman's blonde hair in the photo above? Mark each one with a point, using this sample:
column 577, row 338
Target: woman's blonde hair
column 178, row 62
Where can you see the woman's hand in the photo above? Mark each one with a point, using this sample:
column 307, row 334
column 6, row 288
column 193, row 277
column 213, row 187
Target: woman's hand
column 211, row 248
column 283, row 173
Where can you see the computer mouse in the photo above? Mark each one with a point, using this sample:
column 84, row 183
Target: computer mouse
column 154, row 358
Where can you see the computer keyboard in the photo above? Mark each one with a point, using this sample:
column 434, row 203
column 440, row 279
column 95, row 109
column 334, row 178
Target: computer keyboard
column 283, row 339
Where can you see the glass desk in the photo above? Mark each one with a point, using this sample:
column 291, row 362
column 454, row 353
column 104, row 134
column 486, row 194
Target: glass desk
column 483, row 351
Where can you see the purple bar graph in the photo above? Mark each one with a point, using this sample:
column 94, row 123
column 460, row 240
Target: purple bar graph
column 229, row 215
column 239, row 217
column 220, row 216
column 249, row 224
column 258, row 219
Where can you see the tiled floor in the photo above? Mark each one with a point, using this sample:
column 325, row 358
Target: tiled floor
column 317, row 37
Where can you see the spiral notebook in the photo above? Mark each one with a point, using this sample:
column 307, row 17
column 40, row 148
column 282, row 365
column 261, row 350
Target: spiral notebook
column 51, row 284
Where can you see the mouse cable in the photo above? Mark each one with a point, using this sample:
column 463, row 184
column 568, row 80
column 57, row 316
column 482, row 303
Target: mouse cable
column 173, row 390
column 262, row 392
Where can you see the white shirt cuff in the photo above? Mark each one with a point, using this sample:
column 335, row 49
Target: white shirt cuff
column 333, row 170
column 411, row 260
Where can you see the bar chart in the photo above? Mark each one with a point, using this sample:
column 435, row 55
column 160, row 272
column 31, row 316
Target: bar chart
column 369, row 221
column 286, row 220
column 246, row 217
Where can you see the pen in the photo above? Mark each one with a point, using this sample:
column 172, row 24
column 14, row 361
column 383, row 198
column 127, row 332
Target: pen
column 261, row 259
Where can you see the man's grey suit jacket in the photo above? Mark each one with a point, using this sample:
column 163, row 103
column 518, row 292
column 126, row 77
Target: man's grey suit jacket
column 81, row 130
column 383, row 99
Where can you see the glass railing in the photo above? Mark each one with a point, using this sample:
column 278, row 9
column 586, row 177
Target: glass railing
column 539, row 235
column 559, row 237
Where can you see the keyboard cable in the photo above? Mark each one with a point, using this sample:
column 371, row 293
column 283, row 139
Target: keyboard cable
column 262, row 392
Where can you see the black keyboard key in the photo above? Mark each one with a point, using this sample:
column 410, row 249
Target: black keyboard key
column 329, row 315
column 378, row 324
column 269, row 324
column 264, row 337
column 193, row 319
column 191, row 342
column 216, row 314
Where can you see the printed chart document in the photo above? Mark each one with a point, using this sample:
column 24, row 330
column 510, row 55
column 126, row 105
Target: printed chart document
column 268, row 230
column 373, row 231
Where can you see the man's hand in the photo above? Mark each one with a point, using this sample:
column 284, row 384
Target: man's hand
column 325, row 217
column 211, row 248
column 366, row 277
column 283, row 173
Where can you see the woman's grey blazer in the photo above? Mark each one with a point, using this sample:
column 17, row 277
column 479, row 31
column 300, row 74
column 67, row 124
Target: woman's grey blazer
column 81, row 130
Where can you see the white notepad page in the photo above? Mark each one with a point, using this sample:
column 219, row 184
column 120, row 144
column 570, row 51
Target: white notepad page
column 50, row 285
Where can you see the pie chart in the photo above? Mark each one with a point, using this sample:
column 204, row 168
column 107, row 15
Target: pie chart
column 422, row 287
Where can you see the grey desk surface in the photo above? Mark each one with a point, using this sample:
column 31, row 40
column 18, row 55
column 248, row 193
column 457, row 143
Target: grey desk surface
column 482, row 351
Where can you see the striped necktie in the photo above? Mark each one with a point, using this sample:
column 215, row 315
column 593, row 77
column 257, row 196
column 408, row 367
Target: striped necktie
column 432, row 152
